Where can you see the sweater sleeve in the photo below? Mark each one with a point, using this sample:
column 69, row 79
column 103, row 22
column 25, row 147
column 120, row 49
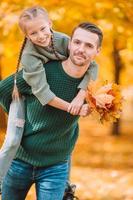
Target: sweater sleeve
column 6, row 88
column 34, row 75
column 91, row 73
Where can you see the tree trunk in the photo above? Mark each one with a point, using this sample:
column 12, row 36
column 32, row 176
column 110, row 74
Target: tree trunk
column 118, row 67
column 2, row 114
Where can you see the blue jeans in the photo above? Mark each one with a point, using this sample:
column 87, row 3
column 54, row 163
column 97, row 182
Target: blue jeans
column 13, row 137
column 49, row 182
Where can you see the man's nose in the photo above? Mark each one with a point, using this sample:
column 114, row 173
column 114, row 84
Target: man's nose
column 81, row 48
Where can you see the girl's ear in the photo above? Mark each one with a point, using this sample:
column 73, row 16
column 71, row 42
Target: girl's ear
column 50, row 24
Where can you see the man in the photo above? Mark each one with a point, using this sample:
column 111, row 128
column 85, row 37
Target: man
column 50, row 134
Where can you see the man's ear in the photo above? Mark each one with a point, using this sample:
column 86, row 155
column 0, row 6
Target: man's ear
column 69, row 44
column 98, row 50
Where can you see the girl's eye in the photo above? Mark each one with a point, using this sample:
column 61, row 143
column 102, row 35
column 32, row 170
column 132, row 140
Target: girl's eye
column 33, row 33
column 43, row 28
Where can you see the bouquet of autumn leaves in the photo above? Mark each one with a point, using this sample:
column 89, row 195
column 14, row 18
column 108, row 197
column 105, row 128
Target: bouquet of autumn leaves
column 104, row 100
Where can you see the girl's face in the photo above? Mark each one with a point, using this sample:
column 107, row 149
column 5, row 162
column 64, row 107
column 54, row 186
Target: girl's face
column 38, row 31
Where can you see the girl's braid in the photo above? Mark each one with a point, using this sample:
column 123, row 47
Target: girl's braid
column 20, row 53
column 53, row 47
column 15, row 93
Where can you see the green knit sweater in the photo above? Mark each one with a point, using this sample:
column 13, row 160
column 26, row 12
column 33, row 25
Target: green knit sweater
column 50, row 134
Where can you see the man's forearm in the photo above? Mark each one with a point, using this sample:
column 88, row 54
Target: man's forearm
column 59, row 103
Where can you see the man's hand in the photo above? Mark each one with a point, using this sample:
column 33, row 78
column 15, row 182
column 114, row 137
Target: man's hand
column 77, row 102
column 85, row 110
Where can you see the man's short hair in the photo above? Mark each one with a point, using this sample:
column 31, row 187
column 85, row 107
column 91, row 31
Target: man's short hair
column 91, row 28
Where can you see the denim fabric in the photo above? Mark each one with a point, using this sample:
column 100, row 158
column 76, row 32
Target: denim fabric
column 49, row 182
column 13, row 137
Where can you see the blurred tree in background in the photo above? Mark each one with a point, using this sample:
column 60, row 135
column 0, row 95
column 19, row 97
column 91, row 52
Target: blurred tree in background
column 2, row 116
column 114, row 17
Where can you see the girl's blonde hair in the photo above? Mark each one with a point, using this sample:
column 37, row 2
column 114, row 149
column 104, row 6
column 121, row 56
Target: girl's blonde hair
column 30, row 14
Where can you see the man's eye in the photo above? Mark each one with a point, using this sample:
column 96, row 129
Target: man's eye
column 89, row 45
column 77, row 42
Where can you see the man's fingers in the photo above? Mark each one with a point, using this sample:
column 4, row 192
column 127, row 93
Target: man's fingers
column 69, row 108
column 74, row 110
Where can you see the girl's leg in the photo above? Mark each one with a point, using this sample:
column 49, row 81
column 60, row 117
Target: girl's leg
column 13, row 136
column 8, row 151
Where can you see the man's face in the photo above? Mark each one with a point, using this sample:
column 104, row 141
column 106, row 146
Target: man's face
column 83, row 47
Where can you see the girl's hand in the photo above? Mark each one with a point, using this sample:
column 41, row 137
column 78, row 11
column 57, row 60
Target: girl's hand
column 76, row 104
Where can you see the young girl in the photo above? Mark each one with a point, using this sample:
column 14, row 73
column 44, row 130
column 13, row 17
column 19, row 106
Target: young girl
column 42, row 44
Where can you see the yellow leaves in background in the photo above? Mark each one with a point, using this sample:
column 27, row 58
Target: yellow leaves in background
column 113, row 17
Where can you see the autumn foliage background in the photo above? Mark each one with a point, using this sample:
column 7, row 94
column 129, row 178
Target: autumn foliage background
column 102, row 160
